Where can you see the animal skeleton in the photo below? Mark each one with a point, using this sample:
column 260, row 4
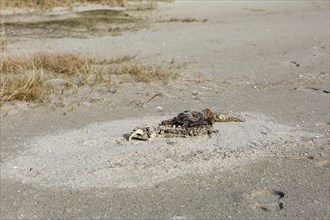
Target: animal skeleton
column 187, row 123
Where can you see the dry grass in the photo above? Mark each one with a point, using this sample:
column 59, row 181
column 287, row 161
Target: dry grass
column 49, row 4
column 30, row 87
column 34, row 78
column 146, row 73
column 3, row 43
column 201, row 78
column 117, row 60
column 2, row 29
column 142, row 5
column 68, row 64
column 185, row 20
column 26, row 78
column 42, row 5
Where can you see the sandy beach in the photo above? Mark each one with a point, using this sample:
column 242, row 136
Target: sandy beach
column 265, row 60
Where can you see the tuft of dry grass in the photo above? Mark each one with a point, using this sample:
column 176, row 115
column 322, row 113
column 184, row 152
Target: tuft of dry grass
column 30, row 87
column 117, row 60
column 34, row 78
column 67, row 64
column 26, row 78
column 147, row 73
column 185, row 20
column 58, row 63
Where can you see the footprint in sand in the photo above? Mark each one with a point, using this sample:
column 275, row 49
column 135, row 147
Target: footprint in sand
column 268, row 200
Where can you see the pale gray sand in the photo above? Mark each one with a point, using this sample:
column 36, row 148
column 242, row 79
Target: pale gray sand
column 74, row 163
column 99, row 155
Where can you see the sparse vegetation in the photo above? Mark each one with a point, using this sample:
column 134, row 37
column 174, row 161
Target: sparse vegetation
column 146, row 73
column 3, row 43
column 27, row 78
column 2, row 29
column 185, row 20
column 29, row 87
column 73, row 24
column 142, row 5
column 83, row 24
column 42, row 5
column 49, row 4
column 34, row 78
column 57, row 63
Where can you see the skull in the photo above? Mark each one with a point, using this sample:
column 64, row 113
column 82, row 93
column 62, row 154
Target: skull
column 143, row 134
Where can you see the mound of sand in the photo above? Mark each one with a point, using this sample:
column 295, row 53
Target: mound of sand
column 99, row 155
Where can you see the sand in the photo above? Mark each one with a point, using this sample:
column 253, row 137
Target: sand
column 74, row 162
column 99, row 155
